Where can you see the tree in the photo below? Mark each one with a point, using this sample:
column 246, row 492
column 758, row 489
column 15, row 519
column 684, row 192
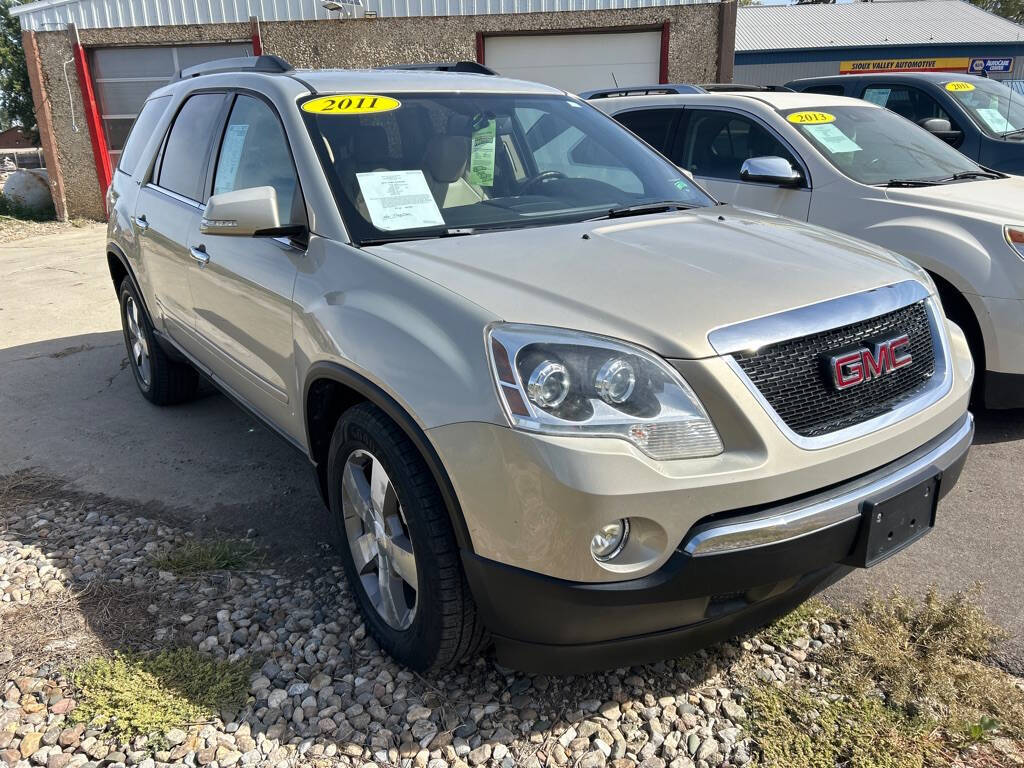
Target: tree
column 1008, row 9
column 16, row 106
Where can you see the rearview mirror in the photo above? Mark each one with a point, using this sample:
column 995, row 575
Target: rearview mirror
column 242, row 213
column 770, row 170
column 940, row 126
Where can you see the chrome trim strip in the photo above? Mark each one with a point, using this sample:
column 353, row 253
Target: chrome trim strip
column 175, row 196
column 808, row 516
column 751, row 335
column 815, row 318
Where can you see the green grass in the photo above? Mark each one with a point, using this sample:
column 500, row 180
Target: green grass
column 910, row 686
column 138, row 695
column 202, row 556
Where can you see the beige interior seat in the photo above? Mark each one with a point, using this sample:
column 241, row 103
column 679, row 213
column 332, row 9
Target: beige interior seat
column 445, row 164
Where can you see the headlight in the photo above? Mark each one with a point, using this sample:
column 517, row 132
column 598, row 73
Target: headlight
column 562, row 382
column 1015, row 238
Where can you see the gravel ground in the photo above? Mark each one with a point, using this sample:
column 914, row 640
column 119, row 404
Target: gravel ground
column 77, row 579
column 12, row 229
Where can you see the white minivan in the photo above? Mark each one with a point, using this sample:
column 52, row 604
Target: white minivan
column 864, row 171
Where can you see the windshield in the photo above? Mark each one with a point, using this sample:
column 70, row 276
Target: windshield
column 876, row 146
column 431, row 164
column 998, row 110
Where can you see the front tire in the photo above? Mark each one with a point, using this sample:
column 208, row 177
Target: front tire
column 398, row 546
column 160, row 379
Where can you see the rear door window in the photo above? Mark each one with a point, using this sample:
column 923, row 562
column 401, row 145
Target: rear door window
column 141, row 133
column 655, row 126
column 826, row 90
column 187, row 149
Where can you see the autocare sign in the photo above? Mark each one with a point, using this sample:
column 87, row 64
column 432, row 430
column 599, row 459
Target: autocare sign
column 991, row 65
column 958, row 64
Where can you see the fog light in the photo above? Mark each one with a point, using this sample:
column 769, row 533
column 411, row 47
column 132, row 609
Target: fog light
column 609, row 540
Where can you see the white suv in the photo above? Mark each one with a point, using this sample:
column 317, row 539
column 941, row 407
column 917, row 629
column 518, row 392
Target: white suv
column 862, row 170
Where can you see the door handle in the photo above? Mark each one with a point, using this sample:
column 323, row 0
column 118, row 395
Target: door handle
column 141, row 223
column 200, row 255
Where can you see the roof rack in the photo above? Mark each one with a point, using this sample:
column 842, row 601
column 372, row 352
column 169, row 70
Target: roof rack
column 641, row 90
column 742, row 88
column 265, row 64
column 447, row 66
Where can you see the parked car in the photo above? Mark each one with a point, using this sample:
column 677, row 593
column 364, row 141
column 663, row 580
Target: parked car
column 867, row 172
column 551, row 391
column 982, row 118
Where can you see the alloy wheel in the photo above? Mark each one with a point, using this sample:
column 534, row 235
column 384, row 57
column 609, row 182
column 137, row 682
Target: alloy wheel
column 137, row 340
column 378, row 537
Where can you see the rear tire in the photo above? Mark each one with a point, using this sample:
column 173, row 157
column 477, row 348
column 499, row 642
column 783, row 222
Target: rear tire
column 160, row 379
column 392, row 518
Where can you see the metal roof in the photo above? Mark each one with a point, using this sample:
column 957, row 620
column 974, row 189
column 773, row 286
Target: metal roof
column 56, row 14
column 863, row 25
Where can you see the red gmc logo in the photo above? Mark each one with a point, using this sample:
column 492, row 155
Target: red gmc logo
column 852, row 368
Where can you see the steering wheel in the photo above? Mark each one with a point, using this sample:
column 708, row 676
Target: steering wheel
column 540, row 178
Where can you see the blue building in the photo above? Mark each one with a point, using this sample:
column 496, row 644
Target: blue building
column 779, row 43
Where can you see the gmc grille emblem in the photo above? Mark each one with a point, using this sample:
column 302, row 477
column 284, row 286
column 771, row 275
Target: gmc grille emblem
column 852, row 368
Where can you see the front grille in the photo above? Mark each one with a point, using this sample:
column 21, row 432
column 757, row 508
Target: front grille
column 796, row 382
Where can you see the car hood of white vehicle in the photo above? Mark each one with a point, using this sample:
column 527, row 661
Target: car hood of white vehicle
column 663, row 281
column 998, row 200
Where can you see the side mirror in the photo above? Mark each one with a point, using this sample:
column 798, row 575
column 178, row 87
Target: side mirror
column 242, row 213
column 940, row 126
column 770, row 170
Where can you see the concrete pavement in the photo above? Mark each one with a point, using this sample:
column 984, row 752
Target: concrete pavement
column 69, row 406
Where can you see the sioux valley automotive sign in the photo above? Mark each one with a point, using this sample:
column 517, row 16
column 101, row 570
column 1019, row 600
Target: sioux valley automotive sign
column 958, row 64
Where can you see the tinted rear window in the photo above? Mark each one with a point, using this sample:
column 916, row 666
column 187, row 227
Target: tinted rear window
column 141, row 132
column 183, row 168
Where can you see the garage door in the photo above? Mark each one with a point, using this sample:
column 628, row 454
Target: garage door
column 578, row 62
column 124, row 77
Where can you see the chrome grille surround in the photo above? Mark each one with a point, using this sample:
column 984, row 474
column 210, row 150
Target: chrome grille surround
column 752, row 335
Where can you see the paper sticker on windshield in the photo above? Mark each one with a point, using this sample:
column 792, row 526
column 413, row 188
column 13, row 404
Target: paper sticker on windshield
column 351, row 104
column 879, row 96
column 994, row 120
column 832, row 139
column 481, row 161
column 811, row 118
column 399, row 200
column 959, row 85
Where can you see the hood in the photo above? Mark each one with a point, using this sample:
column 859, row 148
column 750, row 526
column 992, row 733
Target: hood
column 997, row 200
column 661, row 281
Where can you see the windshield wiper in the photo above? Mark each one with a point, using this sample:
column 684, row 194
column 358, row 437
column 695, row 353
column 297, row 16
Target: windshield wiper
column 662, row 206
column 1015, row 132
column 911, row 183
column 971, row 175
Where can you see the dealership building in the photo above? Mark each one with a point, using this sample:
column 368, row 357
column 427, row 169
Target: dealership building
column 779, row 43
column 93, row 62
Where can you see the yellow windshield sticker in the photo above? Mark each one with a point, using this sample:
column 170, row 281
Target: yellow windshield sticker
column 351, row 104
column 811, row 118
column 959, row 85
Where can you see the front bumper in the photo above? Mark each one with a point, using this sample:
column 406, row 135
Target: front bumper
column 727, row 576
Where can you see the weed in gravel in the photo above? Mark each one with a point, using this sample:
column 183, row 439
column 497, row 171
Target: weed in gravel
column 203, row 556
column 784, row 630
column 800, row 729
column 908, row 686
column 928, row 659
column 136, row 695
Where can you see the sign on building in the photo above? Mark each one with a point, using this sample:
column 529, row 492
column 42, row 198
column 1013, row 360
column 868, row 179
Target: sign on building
column 991, row 65
column 958, row 64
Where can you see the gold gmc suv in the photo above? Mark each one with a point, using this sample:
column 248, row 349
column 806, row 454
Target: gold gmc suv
column 556, row 397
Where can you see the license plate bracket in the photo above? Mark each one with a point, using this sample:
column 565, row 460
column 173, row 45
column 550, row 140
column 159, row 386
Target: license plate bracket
column 890, row 525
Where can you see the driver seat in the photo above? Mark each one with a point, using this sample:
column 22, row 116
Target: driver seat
column 445, row 164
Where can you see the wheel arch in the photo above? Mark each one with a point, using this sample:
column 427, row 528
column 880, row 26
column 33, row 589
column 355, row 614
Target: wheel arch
column 958, row 308
column 330, row 390
column 120, row 268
